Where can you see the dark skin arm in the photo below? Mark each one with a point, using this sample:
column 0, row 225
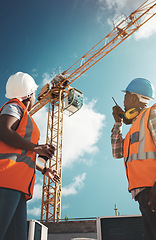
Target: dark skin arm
column 118, row 113
column 50, row 173
column 8, row 125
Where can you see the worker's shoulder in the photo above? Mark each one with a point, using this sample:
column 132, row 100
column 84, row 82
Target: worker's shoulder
column 13, row 104
column 12, row 107
column 153, row 108
column 152, row 113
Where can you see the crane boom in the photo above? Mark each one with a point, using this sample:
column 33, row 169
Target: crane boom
column 123, row 28
column 121, row 31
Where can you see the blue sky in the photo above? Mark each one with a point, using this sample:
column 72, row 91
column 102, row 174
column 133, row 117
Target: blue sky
column 39, row 36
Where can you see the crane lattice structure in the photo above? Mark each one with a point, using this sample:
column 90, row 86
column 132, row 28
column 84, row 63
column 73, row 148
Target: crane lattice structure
column 57, row 91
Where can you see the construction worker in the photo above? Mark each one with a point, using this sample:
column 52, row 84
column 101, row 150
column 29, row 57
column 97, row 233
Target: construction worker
column 19, row 137
column 138, row 148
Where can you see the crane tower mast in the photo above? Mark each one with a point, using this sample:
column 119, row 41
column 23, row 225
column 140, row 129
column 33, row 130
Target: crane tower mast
column 58, row 91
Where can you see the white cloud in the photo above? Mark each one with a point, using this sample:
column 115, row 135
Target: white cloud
column 119, row 6
column 65, row 206
column 41, row 118
column 81, row 132
column 34, row 72
column 46, row 78
column 115, row 9
column 125, row 7
column 37, row 191
column 35, row 211
column 147, row 30
column 37, row 194
column 77, row 184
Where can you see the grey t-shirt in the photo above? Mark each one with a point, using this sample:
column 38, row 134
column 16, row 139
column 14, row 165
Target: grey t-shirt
column 13, row 109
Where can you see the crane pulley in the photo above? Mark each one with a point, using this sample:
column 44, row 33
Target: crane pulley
column 58, row 90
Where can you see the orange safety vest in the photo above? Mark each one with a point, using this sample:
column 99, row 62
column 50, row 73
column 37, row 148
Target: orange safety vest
column 140, row 153
column 17, row 166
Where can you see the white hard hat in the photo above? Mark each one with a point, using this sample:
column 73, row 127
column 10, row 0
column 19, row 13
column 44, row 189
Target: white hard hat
column 20, row 85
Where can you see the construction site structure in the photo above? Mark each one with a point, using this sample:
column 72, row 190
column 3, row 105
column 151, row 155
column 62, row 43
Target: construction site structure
column 60, row 96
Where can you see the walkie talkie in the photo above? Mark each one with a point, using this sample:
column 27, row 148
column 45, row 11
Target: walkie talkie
column 122, row 116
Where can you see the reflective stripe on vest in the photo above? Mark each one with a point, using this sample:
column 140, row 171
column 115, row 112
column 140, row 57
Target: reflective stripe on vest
column 140, row 153
column 23, row 156
column 17, row 166
column 139, row 137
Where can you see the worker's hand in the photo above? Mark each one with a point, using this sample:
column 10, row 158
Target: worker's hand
column 52, row 174
column 118, row 113
column 45, row 150
column 152, row 203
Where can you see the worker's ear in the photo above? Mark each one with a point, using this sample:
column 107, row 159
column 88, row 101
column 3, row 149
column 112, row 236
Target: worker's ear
column 134, row 98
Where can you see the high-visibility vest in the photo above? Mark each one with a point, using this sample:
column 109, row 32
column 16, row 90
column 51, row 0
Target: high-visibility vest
column 17, row 166
column 140, row 153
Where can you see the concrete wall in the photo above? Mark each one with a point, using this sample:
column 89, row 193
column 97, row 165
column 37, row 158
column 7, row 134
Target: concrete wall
column 68, row 230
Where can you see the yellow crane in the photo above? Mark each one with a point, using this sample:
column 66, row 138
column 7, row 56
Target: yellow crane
column 61, row 97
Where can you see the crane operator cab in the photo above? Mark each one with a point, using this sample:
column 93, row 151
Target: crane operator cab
column 74, row 101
